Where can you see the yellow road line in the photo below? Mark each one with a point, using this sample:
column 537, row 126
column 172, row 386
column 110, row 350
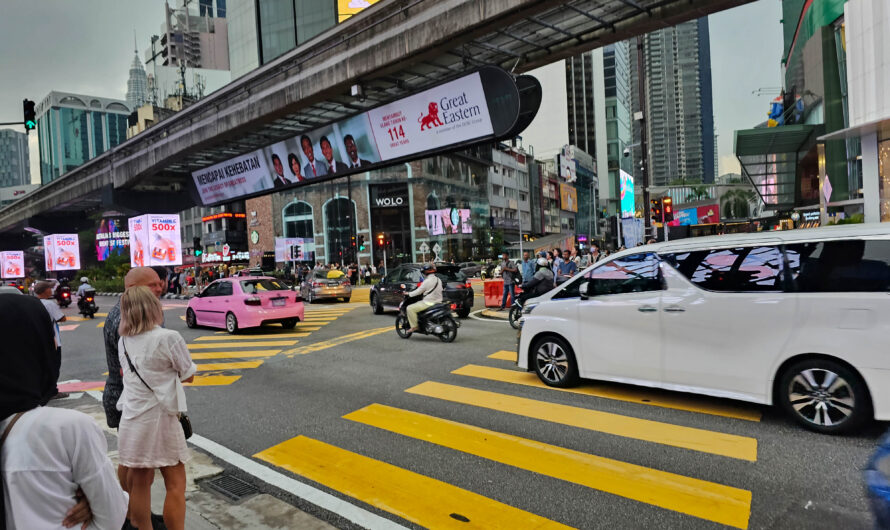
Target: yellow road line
column 699, row 498
column 640, row 396
column 504, row 355
column 233, row 354
column 250, row 344
column 101, row 314
column 101, row 324
column 214, row 380
column 251, row 337
column 730, row 445
column 425, row 501
column 244, row 365
column 308, row 328
column 318, row 346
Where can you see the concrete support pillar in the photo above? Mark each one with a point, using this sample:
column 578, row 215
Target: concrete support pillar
column 871, row 181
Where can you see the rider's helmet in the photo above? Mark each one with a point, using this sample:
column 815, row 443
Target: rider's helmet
column 428, row 268
column 84, row 279
column 543, row 263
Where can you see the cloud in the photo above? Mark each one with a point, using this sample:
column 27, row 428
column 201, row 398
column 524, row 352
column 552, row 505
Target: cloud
column 729, row 164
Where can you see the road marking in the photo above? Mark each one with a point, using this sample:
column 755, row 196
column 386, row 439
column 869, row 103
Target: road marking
column 101, row 314
column 68, row 327
column 318, row 346
column 250, row 337
column 319, row 319
column 182, row 317
column 474, row 316
column 504, row 355
column 243, row 365
column 729, row 445
column 233, row 354
column 250, row 344
column 101, row 324
column 425, row 501
column 640, row 396
column 247, row 331
column 699, row 498
column 76, row 319
column 213, row 380
column 308, row 328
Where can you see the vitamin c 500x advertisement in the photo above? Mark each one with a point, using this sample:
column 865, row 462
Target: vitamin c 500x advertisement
column 154, row 240
column 12, row 264
column 62, row 252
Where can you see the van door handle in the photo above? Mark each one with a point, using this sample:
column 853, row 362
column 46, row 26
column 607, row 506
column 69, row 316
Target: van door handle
column 647, row 309
column 674, row 309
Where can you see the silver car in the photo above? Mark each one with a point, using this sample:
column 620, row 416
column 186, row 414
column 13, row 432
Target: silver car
column 325, row 284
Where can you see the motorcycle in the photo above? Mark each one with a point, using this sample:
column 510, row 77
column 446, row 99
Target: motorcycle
column 516, row 308
column 436, row 320
column 63, row 295
column 86, row 305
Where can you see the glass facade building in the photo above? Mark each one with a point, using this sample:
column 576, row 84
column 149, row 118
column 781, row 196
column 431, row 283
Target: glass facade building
column 74, row 128
column 15, row 165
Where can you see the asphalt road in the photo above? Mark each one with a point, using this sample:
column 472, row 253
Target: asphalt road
column 429, row 434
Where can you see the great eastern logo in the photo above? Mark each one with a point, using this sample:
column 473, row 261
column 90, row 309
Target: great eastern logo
column 431, row 119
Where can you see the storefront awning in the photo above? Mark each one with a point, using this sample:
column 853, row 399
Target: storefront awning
column 769, row 158
column 879, row 127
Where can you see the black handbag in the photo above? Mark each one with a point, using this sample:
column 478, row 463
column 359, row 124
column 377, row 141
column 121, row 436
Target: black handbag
column 184, row 420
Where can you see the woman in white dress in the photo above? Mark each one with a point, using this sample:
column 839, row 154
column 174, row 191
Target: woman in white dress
column 150, row 435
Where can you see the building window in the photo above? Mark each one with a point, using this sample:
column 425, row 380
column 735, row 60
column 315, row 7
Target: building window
column 339, row 216
column 277, row 31
column 297, row 221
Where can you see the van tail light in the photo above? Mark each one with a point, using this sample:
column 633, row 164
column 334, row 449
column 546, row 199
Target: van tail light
column 316, row 284
column 253, row 301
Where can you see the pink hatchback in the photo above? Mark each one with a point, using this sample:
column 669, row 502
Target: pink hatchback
column 245, row 302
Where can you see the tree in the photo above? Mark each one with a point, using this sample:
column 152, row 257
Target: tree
column 736, row 203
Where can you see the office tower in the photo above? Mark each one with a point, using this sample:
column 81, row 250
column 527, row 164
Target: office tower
column 15, row 168
column 679, row 107
column 137, row 84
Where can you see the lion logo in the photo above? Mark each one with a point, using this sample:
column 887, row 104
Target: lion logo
column 431, row 119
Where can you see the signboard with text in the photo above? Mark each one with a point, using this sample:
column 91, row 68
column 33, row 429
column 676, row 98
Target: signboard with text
column 444, row 117
column 283, row 249
column 155, row 240
column 62, row 252
column 628, row 208
column 111, row 238
column 12, row 264
column 568, row 198
column 448, row 221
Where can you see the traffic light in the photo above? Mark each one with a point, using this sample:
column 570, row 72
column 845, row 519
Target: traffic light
column 353, row 242
column 380, row 240
column 196, row 244
column 667, row 209
column 29, row 115
column 655, row 208
column 361, row 243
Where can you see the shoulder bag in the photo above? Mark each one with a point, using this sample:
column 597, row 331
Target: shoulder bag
column 183, row 417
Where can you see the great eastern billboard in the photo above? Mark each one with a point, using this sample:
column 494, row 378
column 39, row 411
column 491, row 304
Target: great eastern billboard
column 488, row 104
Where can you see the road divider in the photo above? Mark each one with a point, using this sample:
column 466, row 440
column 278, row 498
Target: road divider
column 703, row 405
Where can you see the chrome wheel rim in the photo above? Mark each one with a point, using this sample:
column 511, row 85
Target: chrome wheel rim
column 190, row 318
column 552, row 362
column 821, row 397
column 230, row 323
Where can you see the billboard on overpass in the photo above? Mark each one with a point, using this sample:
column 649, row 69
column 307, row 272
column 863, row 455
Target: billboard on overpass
column 480, row 106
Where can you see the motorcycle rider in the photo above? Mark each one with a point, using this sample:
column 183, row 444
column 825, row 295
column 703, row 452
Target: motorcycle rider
column 84, row 286
column 539, row 284
column 431, row 290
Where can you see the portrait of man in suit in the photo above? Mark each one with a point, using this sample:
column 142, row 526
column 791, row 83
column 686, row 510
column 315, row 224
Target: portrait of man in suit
column 352, row 151
column 280, row 179
column 328, row 151
column 313, row 168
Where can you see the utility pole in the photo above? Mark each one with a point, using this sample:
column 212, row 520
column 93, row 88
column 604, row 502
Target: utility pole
column 641, row 118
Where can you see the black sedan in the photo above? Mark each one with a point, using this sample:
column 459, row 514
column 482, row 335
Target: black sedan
column 389, row 293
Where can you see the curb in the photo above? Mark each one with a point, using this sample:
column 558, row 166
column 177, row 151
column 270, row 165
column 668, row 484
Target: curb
column 495, row 315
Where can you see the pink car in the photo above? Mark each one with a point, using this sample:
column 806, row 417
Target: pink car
column 244, row 302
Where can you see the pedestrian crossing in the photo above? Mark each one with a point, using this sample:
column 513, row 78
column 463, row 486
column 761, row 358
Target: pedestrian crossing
column 407, row 490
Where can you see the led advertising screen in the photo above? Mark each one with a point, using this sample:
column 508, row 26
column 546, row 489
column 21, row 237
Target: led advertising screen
column 155, row 240
column 446, row 115
column 568, row 198
column 628, row 208
column 282, row 249
column 12, row 264
column 62, row 252
column 448, row 221
column 112, row 238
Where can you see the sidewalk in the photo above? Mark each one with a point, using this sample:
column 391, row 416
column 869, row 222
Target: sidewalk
column 495, row 314
column 207, row 510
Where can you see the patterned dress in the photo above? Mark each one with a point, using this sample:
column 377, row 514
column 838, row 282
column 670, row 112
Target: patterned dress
column 114, row 384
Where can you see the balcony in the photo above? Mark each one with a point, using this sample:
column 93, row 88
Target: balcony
column 503, row 223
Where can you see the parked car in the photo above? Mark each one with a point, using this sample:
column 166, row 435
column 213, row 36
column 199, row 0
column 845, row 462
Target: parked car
column 390, row 291
column 796, row 319
column 326, row 284
column 244, row 302
column 9, row 289
column 471, row 269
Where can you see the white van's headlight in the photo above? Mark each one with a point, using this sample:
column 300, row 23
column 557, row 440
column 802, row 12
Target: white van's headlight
column 528, row 308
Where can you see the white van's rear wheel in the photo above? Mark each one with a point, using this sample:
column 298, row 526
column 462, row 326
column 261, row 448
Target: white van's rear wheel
column 554, row 362
column 824, row 396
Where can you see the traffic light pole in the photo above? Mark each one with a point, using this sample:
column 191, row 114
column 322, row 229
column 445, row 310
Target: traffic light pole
column 644, row 148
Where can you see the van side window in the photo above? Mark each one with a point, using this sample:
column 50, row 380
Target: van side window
column 741, row 269
column 631, row 274
column 840, row 266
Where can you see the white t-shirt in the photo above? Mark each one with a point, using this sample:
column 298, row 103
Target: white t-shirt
column 49, row 453
column 55, row 313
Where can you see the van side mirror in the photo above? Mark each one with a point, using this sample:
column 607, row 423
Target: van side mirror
column 582, row 290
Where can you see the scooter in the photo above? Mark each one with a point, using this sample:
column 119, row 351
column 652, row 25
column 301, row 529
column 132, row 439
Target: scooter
column 436, row 321
column 87, row 304
column 63, row 295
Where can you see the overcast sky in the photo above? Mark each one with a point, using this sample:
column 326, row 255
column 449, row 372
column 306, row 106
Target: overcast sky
column 86, row 46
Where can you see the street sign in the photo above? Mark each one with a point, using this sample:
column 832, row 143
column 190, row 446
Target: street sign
column 225, row 250
column 436, row 248
column 424, row 248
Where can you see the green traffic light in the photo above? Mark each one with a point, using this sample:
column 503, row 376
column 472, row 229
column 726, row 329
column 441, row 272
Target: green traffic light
column 30, row 124
column 362, row 248
column 198, row 252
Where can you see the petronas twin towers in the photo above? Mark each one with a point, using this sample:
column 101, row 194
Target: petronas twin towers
column 137, row 84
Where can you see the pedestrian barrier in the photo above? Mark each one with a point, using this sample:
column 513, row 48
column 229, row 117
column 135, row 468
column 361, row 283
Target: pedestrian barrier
column 494, row 292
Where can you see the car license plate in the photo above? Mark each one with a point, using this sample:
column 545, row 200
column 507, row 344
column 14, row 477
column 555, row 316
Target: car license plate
column 279, row 302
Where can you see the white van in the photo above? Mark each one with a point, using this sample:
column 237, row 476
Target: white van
column 797, row 318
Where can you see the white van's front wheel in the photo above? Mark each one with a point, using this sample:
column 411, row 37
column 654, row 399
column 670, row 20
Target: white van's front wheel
column 554, row 362
column 824, row 396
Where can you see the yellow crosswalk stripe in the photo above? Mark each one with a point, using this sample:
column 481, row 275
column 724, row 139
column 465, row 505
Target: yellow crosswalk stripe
column 214, row 380
column 250, row 344
column 706, row 500
column 251, row 337
column 425, row 501
column 730, row 445
column 101, row 324
column 633, row 395
column 244, row 365
column 247, row 332
column 319, row 320
column 308, row 328
column 234, row 354
column 101, row 314
column 323, row 345
column 504, row 355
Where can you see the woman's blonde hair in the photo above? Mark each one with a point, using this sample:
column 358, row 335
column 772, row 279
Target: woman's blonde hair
column 140, row 311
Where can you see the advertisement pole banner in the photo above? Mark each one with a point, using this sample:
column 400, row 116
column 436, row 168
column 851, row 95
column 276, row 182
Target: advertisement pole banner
column 62, row 252
column 12, row 264
column 155, row 240
column 282, row 248
column 628, row 208
column 448, row 221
